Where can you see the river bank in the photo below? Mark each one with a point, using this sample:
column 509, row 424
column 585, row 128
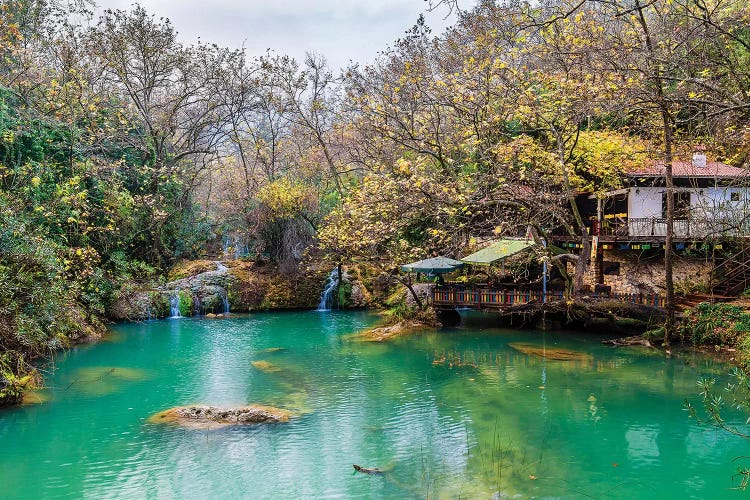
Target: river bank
column 213, row 288
column 204, row 288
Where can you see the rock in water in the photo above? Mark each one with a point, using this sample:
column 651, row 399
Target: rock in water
column 207, row 416
column 272, row 350
column 265, row 366
column 366, row 470
column 551, row 352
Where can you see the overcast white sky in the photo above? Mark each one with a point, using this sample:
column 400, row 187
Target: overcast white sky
column 342, row 30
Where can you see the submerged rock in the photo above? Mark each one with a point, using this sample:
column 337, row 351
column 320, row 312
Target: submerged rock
column 35, row 397
column 553, row 353
column 385, row 333
column 102, row 380
column 272, row 350
column 265, row 366
column 204, row 415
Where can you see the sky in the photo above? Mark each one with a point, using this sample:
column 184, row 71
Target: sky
column 341, row 30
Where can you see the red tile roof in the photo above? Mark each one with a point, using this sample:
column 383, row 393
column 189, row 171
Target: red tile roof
column 686, row 169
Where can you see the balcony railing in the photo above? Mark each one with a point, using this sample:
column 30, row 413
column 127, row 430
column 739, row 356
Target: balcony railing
column 684, row 227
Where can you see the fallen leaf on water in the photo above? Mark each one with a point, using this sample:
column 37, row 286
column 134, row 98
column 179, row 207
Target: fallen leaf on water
column 615, row 464
column 532, row 477
column 541, row 387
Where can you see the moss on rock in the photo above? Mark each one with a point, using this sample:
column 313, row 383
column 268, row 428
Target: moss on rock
column 187, row 268
column 255, row 287
column 16, row 377
column 186, row 303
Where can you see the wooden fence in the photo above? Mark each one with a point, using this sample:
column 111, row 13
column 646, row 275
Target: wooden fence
column 488, row 298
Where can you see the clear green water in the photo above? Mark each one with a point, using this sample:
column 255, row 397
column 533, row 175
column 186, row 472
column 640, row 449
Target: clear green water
column 484, row 422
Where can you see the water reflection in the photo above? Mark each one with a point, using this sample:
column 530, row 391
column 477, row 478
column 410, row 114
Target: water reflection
column 464, row 413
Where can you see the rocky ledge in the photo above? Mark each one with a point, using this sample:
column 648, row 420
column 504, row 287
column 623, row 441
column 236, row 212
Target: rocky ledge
column 214, row 287
column 202, row 416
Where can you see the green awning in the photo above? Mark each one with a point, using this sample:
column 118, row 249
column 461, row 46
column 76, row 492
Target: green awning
column 435, row 265
column 497, row 251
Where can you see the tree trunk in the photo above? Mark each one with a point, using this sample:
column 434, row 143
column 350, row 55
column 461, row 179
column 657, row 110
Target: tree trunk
column 583, row 261
column 413, row 292
column 668, row 253
column 668, row 133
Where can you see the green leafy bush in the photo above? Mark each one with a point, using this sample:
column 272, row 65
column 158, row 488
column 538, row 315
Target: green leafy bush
column 722, row 324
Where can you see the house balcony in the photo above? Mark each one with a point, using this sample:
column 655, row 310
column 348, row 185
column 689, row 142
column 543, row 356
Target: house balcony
column 620, row 227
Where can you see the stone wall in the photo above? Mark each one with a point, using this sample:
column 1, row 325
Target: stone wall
column 642, row 272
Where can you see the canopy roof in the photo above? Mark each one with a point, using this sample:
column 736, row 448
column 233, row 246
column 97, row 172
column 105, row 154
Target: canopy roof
column 435, row 265
column 497, row 251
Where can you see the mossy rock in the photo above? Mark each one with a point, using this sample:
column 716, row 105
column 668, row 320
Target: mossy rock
column 16, row 377
column 204, row 416
column 186, row 303
column 187, row 268
column 213, row 304
column 160, row 307
column 264, row 287
column 345, row 295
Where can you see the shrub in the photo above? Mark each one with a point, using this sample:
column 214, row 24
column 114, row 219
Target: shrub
column 721, row 324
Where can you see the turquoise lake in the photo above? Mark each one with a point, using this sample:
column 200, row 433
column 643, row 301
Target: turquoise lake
column 471, row 412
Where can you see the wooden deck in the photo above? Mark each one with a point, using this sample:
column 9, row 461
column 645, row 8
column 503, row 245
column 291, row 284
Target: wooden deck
column 491, row 299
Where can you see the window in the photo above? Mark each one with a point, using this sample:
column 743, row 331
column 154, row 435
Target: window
column 611, row 268
column 734, row 196
column 681, row 204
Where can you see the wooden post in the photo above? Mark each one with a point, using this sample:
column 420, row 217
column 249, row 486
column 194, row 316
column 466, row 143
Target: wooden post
column 599, row 266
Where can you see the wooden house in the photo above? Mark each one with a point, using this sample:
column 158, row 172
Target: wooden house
column 628, row 226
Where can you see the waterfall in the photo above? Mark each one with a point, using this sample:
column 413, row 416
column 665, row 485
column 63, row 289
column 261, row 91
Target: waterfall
column 225, row 299
column 234, row 247
column 174, row 305
column 326, row 298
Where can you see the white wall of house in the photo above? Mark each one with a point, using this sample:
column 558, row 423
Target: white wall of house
column 645, row 202
column 714, row 210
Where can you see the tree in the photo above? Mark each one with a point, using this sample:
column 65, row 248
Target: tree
column 163, row 87
column 668, row 50
column 310, row 96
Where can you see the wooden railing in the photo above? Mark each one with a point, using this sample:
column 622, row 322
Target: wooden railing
column 732, row 275
column 489, row 298
column 646, row 299
column 684, row 227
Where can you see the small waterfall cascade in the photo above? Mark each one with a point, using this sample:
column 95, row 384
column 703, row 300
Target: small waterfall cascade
column 326, row 298
column 174, row 305
column 235, row 247
column 225, row 300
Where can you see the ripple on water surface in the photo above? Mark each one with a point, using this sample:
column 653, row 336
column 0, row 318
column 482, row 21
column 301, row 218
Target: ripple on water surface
column 466, row 412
